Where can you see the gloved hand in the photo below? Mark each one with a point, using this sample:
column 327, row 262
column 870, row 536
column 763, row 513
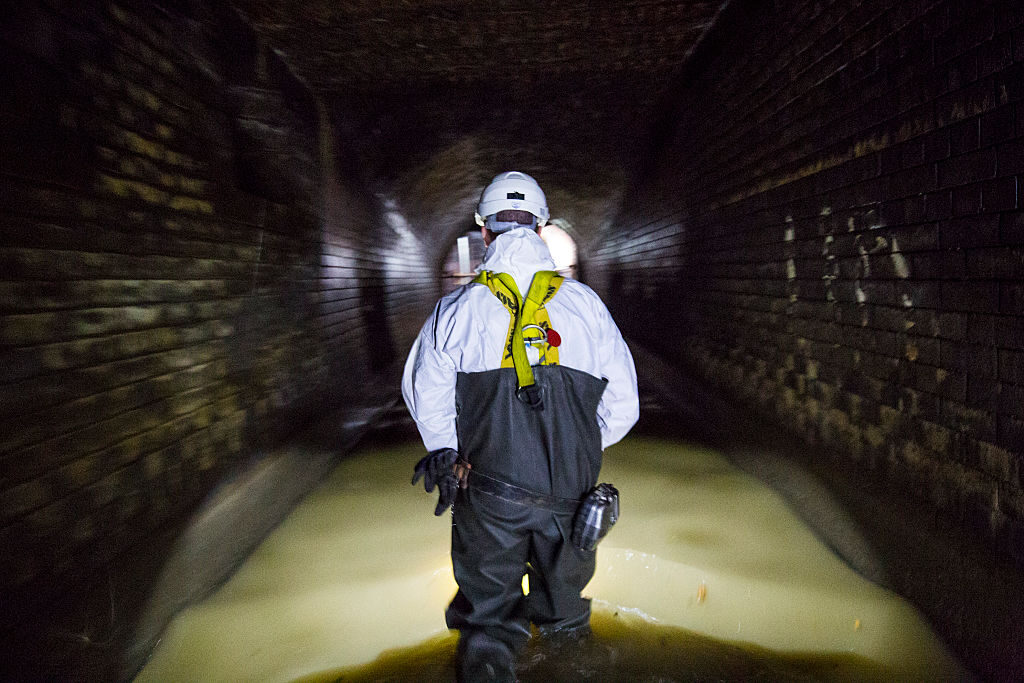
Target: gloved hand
column 446, row 470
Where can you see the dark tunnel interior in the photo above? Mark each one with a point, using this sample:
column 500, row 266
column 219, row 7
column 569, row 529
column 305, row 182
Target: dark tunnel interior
column 223, row 224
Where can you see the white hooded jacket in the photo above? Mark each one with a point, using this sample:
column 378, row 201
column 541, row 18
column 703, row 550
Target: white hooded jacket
column 467, row 332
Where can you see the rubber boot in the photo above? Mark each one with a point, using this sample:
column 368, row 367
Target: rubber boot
column 480, row 657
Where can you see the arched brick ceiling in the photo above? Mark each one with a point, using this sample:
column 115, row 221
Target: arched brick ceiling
column 438, row 95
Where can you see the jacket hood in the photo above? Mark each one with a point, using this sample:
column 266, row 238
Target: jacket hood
column 520, row 253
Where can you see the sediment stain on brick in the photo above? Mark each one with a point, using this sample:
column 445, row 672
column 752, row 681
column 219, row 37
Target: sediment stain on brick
column 879, row 200
column 165, row 317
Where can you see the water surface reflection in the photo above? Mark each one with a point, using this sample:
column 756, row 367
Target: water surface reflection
column 360, row 568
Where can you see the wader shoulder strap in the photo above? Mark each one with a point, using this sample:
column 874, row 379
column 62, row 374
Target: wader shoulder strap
column 528, row 320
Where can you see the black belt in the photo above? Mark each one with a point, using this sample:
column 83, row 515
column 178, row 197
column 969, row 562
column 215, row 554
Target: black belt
column 516, row 494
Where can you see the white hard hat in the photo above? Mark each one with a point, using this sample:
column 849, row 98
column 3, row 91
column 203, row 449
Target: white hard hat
column 512, row 190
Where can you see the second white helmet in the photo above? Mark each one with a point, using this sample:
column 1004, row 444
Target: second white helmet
column 512, row 190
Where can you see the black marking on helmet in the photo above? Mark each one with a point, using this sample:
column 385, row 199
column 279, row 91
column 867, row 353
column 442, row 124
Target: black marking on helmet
column 515, row 195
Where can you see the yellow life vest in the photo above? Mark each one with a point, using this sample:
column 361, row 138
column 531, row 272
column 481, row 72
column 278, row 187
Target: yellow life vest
column 528, row 320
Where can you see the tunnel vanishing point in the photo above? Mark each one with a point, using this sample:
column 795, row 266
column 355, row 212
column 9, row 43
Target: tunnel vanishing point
column 222, row 222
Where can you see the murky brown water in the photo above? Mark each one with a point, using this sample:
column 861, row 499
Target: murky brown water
column 623, row 648
column 359, row 575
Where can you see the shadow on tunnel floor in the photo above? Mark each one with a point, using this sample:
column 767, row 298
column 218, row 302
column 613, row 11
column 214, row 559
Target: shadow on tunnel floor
column 971, row 593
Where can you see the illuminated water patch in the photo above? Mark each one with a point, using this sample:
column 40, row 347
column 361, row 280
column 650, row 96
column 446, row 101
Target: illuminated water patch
column 361, row 567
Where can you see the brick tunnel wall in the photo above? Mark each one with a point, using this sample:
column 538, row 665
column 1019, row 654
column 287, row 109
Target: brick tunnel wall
column 832, row 233
column 185, row 278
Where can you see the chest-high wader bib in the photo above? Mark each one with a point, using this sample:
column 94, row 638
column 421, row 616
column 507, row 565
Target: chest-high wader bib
column 528, row 324
column 539, row 455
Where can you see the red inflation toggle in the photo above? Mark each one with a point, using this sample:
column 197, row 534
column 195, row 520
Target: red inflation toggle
column 554, row 339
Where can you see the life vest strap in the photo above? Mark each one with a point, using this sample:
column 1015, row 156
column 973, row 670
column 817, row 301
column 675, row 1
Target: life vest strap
column 524, row 314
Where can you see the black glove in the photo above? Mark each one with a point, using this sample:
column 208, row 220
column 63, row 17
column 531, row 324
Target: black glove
column 444, row 469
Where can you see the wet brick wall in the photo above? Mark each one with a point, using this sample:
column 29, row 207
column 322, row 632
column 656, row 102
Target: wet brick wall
column 184, row 278
column 831, row 231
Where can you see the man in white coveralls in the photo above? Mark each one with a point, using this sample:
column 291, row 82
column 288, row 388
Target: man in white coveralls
column 517, row 383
